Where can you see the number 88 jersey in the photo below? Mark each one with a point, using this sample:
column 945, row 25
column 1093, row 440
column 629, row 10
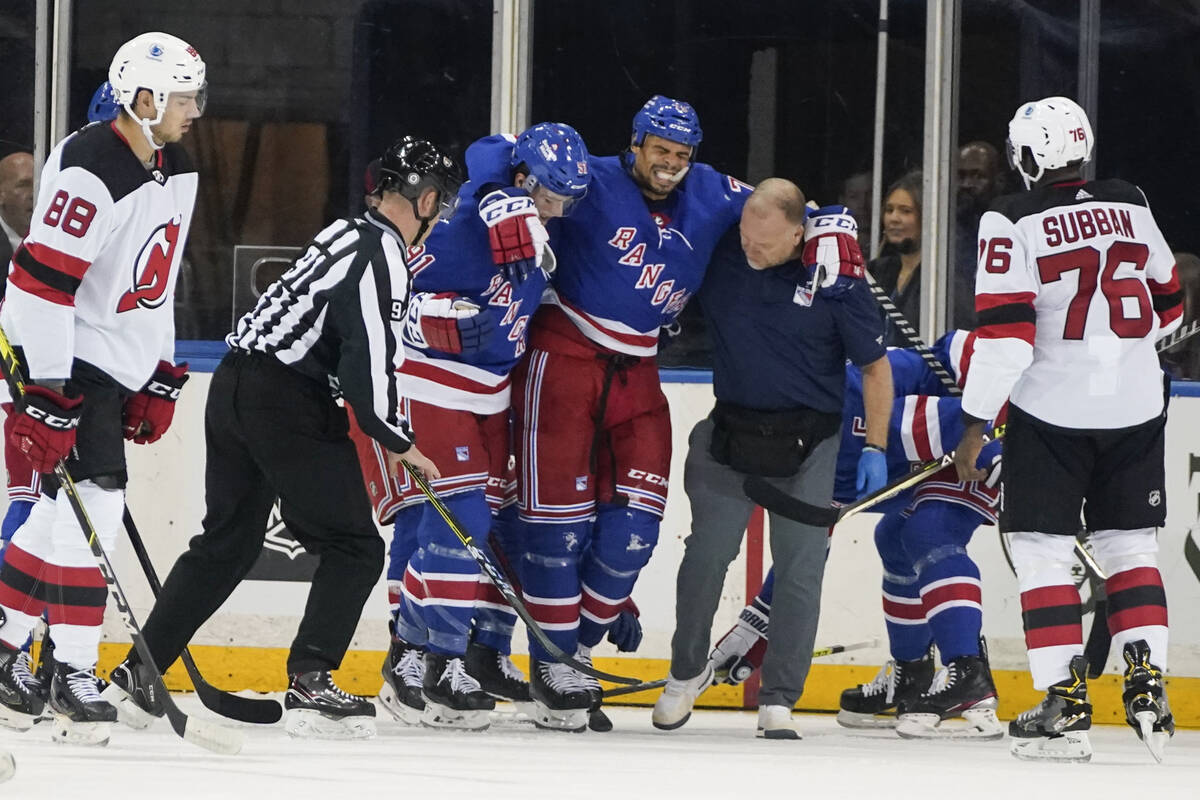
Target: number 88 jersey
column 95, row 277
column 1075, row 283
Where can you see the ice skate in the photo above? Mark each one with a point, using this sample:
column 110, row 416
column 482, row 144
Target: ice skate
column 22, row 696
column 674, row 705
column 1056, row 729
column 316, row 708
column 964, row 689
column 81, row 715
column 498, row 676
column 1145, row 698
column 132, row 690
column 403, row 674
column 775, row 722
column 454, row 699
column 560, row 698
column 873, row 705
column 598, row 721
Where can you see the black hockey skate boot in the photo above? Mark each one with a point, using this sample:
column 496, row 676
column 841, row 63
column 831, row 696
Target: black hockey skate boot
column 1145, row 698
column 497, row 674
column 454, row 699
column 22, row 696
column 318, row 708
column 873, row 705
column 597, row 720
column 132, row 690
column 560, row 698
column 81, row 715
column 963, row 689
column 403, row 671
column 1056, row 729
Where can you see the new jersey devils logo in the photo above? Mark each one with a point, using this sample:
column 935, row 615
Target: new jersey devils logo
column 152, row 269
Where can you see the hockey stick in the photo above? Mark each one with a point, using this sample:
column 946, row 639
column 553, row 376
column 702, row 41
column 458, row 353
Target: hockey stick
column 263, row 711
column 911, row 336
column 198, row 732
column 503, row 586
column 820, row 652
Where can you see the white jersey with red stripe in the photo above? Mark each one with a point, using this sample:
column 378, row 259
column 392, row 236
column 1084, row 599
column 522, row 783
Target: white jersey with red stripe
column 1075, row 284
column 95, row 277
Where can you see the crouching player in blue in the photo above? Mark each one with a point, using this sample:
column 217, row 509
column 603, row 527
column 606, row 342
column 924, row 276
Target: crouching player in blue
column 931, row 589
column 476, row 283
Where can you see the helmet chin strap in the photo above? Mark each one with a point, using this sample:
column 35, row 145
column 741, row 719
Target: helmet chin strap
column 146, row 124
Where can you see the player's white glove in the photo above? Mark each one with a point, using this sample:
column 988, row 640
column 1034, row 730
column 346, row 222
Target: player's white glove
column 831, row 250
column 448, row 323
column 516, row 234
column 740, row 651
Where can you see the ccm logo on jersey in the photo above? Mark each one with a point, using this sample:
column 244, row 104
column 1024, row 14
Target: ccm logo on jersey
column 648, row 477
column 152, row 269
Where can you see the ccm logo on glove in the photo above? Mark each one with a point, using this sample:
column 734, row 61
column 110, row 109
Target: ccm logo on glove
column 148, row 414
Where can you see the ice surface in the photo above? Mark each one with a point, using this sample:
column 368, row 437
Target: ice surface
column 714, row 756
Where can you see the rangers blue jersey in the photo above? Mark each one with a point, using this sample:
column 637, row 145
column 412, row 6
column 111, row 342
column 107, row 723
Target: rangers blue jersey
column 619, row 288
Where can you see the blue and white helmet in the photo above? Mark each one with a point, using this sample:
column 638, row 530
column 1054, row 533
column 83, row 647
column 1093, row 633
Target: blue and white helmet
column 674, row 120
column 104, row 105
column 556, row 158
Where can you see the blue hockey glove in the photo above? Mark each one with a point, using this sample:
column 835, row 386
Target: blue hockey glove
column 449, row 323
column 831, row 252
column 626, row 630
column 872, row 471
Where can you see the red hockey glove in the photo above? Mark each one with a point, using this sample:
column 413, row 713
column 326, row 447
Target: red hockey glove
column 516, row 235
column 449, row 323
column 44, row 430
column 148, row 413
column 831, row 250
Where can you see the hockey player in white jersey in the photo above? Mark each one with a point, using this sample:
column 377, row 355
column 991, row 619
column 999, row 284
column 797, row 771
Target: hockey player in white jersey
column 89, row 307
column 1075, row 284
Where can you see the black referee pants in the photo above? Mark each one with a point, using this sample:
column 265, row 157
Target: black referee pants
column 272, row 432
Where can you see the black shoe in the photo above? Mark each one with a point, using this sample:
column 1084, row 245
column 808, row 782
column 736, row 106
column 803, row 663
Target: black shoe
column 403, row 673
column 316, row 691
column 22, row 696
column 133, row 692
column 1145, row 699
column 496, row 673
column 874, row 704
column 1055, row 729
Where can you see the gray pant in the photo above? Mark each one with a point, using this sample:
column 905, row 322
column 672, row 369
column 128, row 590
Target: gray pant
column 720, row 513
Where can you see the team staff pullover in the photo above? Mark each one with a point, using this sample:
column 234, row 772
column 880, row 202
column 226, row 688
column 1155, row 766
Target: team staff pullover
column 775, row 347
column 337, row 316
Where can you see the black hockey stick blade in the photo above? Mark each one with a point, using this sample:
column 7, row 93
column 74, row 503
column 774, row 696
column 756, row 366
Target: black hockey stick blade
column 261, row 711
column 774, row 499
column 204, row 734
column 502, row 584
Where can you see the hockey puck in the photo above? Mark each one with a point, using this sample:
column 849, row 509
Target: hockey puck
column 8, row 766
column 741, row 672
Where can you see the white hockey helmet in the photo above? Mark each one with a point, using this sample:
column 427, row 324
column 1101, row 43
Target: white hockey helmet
column 162, row 64
column 1056, row 132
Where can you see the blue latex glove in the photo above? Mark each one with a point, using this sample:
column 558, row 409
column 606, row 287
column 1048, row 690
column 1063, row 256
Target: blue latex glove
column 872, row 472
column 626, row 631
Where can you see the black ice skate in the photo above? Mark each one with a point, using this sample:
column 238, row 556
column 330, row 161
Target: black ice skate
column 561, row 700
column 1056, row 729
column 403, row 672
column 317, row 708
column 453, row 699
column 1145, row 698
column 498, row 675
column 81, row 715
column 964, row 689
column 22, row 696
column 873, row 705
column 598, row 721
column 133, row 691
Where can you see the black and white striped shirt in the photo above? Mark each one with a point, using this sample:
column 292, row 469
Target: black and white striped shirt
column 337, row 315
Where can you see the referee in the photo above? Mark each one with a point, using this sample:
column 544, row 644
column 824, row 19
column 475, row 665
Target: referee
column 780, row 343
column 329, row 327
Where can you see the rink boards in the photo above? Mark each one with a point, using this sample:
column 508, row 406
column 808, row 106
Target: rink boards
column 244, row 645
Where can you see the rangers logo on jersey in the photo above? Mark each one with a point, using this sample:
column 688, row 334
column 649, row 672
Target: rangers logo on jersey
column 152, row 269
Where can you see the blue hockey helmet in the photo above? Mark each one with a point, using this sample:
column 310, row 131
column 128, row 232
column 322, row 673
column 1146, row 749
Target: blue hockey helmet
column 555, row 158
column 674, row 120
column 104, row 105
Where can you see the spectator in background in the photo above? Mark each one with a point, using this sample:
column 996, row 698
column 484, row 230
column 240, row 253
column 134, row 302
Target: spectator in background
column 16, row 201
column 980, row 180
column 898, row 268
column 855, row 194
column 1183, row 360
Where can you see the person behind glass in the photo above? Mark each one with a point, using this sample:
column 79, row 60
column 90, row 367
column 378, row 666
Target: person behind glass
column 787, row 306
column 330, row 326
column 980, row 181
column 898, row 267
column 855, row 194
